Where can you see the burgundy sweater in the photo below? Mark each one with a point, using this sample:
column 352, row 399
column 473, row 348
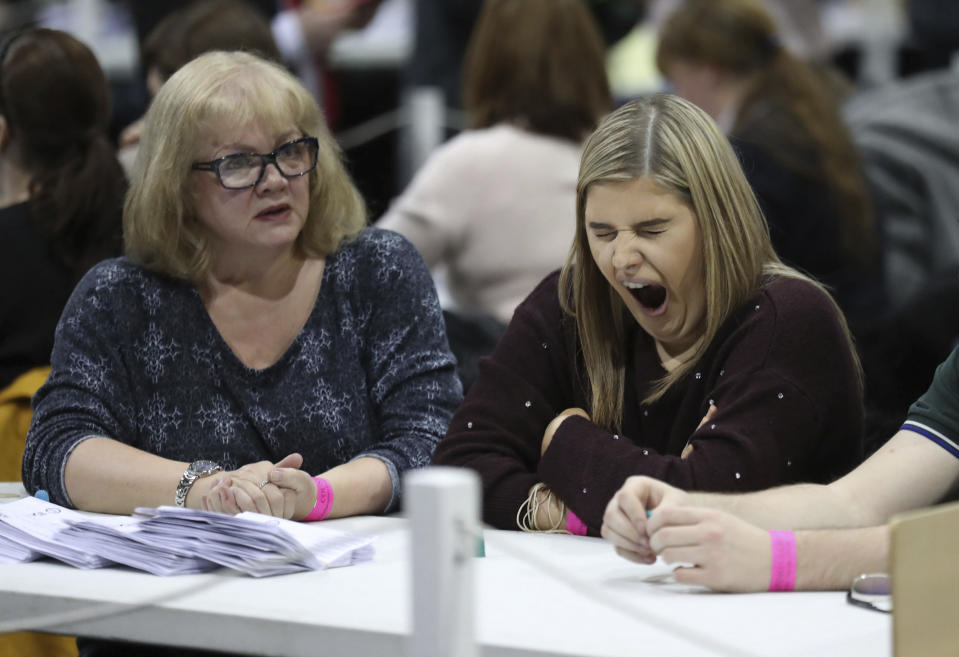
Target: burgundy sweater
column 779, row 371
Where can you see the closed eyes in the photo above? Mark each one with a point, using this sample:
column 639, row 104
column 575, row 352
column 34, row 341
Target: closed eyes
column 645, row 229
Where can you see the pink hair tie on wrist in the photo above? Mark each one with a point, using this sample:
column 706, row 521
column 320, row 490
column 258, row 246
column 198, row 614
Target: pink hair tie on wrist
column 782, row 576
column 324, row 500
column 574, row 525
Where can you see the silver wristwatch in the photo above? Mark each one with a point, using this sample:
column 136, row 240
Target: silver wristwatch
column 196, row 470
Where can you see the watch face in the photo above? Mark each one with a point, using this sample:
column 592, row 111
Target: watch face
column 203, row 467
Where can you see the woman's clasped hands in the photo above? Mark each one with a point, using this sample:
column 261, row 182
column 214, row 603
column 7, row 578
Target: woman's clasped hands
column 278, row 489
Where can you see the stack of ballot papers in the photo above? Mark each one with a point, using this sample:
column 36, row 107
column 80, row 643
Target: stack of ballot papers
column 174, row 541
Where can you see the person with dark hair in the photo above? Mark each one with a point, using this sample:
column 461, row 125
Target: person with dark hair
column 61, row 195
column 189, row 31
column 726, row 56
column 674, row 343
column 202, row 26
column 495, row 205
column 147, row 14
column 442, row 31
column 61, row 187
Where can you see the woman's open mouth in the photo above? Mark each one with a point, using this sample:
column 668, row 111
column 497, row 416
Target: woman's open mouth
column 651, row 297
column 273, row 212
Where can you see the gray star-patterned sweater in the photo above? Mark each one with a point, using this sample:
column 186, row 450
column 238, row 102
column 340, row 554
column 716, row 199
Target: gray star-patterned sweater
column 138, row 359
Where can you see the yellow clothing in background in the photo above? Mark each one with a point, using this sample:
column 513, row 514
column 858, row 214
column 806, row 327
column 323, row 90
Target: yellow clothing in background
column 15, row 414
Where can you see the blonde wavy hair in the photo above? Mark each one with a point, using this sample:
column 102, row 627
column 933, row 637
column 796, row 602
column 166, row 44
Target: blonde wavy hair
column 674, row 143
column 160, row 229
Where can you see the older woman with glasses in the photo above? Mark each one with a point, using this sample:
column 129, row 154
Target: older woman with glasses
column 256, row 332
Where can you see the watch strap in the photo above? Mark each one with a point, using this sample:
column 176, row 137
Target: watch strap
column 189, row 478
column 183, row 488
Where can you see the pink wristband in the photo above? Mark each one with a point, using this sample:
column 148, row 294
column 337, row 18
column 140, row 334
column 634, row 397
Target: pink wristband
column 324, row 500
column 574, row 525
column 783, row 574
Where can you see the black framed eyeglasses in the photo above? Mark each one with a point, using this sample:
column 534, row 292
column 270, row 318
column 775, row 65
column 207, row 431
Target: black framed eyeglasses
column 871, row 591
column 244, row 170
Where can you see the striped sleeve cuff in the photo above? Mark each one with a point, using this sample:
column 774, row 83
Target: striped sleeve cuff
column 937, row 437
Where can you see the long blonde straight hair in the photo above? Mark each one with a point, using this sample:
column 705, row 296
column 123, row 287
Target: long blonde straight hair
column 674, row 143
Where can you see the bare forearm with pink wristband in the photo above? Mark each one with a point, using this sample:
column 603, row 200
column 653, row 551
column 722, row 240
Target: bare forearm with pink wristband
column 324, row 500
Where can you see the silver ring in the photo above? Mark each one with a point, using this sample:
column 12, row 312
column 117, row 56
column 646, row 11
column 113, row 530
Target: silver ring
column 263, row 483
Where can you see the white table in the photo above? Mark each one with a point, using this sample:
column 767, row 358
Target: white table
column 609, row 611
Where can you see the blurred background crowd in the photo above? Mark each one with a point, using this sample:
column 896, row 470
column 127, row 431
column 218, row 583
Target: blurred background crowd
column 843, row 113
